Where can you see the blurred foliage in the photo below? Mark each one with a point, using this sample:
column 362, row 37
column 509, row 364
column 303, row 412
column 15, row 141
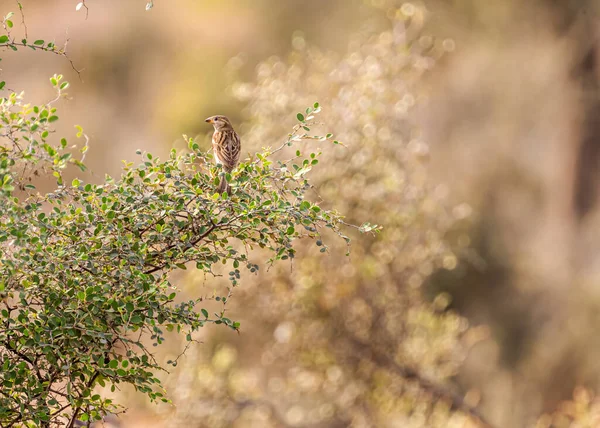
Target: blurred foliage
column 347, row 343
column 582, row 411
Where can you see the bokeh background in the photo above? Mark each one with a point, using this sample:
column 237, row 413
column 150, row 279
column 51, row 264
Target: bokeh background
column 472, row 134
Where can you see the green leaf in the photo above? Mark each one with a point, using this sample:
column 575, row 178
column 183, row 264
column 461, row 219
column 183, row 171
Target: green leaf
column 2, row 84
column 9, row 23
column 38, row 42
column 3, row 39
column 300, row 117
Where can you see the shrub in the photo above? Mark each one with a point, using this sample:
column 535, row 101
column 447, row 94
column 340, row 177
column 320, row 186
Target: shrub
column 85, row 269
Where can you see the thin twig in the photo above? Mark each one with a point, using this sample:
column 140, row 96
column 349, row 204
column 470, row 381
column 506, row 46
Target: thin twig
column 22, row 17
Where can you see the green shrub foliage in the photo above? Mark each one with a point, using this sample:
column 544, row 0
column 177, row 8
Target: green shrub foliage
column 85, row 268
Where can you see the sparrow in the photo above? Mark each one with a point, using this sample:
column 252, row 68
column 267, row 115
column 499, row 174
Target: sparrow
column 226, row 147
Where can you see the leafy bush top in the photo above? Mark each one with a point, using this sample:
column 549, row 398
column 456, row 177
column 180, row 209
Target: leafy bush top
column 84, row 273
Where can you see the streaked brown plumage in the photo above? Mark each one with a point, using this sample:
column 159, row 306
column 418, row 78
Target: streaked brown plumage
column 226, row 147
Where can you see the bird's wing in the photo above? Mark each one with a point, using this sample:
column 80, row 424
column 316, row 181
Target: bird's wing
column 227, row 148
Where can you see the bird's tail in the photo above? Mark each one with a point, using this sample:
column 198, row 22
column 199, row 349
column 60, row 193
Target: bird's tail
column 224, row 186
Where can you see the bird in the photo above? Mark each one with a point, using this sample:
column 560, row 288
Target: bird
column 226, row 147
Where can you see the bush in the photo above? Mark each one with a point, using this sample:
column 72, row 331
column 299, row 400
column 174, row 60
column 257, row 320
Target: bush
column 85, row 270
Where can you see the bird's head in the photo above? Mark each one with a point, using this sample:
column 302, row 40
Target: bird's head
column 219, row 122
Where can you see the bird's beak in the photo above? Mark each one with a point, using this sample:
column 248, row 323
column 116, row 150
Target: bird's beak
column 209, row 120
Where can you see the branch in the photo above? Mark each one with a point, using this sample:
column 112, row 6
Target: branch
column 457, row 402
column 61, row 52
column 193, row 242
column 22, row 17
column 76, row 410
